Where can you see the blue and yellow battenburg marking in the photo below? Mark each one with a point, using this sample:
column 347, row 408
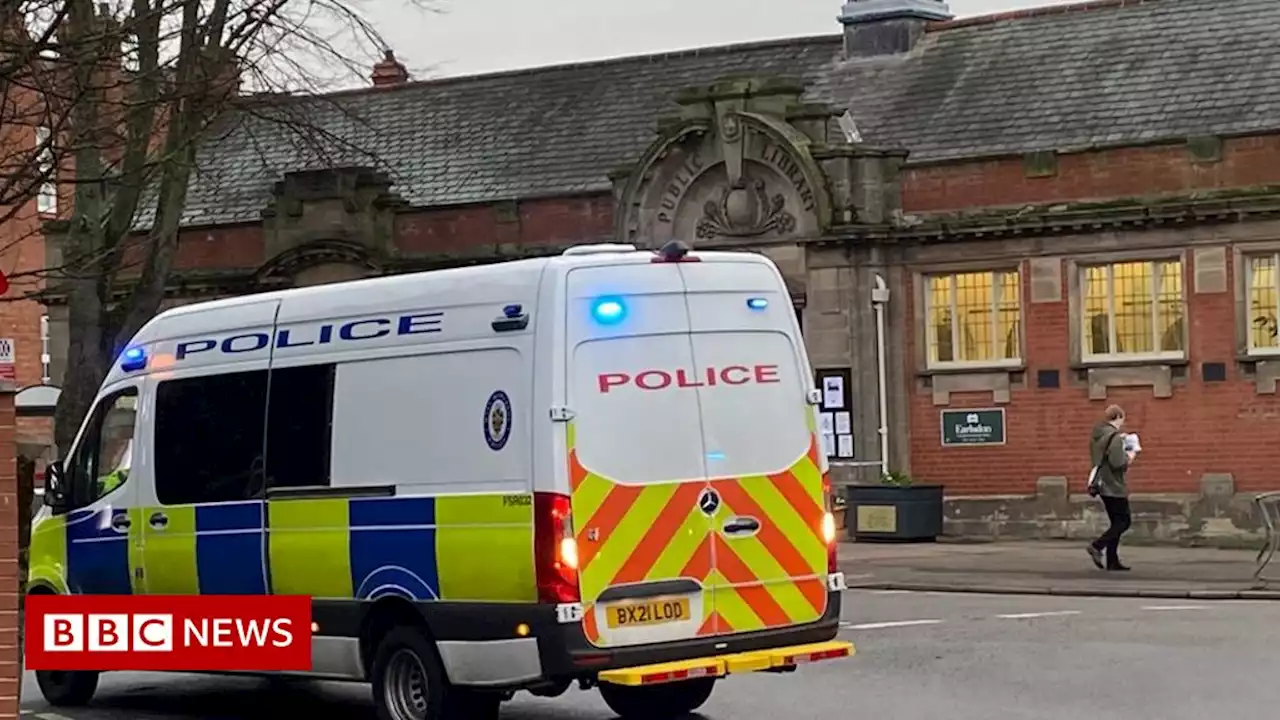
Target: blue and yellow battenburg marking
column 453, row 548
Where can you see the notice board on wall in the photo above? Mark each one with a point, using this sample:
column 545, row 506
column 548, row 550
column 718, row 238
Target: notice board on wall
column 835, row 412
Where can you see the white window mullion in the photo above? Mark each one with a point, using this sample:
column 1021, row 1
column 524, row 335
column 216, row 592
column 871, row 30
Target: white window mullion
column 955, row 320
column 1275, row 280
column 1157, row 276
column 997, row 292
column 1113, row 345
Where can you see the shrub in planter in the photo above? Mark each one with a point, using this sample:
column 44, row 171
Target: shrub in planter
column 897, row 509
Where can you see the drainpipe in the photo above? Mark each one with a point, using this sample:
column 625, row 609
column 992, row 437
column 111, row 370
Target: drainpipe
column 44, row 350
column 880, row 298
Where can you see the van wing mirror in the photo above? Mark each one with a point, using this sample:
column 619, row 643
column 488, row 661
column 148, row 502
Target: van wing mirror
column 54, row 484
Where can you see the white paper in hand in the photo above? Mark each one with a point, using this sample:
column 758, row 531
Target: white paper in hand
column 1132, row 443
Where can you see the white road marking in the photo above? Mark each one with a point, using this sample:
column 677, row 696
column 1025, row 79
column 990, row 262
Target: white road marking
column 51, row 716
column 884, row 625
column 1175, row 607
column 1052, row 613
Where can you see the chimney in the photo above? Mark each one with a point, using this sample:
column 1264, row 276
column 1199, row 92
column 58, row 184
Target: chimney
column 390, row 72
column 887, row 27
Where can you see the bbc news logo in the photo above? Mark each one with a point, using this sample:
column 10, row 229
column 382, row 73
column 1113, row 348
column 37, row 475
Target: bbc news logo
column 155, row 633
column 182, row 632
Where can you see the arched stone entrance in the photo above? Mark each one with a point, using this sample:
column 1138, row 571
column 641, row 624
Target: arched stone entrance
column 750, row 164
column 732, row 170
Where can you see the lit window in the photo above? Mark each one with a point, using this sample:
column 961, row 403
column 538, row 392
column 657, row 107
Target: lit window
column 1133, row 310
column 1263, row 279
column 973, row 318
column 47, row 196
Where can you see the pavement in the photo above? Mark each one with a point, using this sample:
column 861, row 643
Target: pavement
column 1056, row 568
column 920, row 655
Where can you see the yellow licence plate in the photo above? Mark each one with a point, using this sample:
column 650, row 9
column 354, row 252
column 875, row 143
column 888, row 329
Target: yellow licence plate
column 653, row 612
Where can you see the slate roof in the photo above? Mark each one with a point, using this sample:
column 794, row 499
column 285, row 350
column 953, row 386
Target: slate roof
column 1113, row 73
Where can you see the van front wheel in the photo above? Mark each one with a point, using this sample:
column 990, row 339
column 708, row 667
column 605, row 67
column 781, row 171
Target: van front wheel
column 67, row 688
column 657, row 702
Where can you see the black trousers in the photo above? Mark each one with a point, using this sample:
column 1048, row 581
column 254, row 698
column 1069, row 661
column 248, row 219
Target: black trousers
column 1118, row 514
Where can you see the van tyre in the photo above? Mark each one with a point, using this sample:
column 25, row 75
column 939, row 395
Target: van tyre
column 409, row 683
column 657, row 702
column 67, row 688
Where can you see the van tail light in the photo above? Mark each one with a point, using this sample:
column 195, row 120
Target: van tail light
column 829, row 526
column 555, row 549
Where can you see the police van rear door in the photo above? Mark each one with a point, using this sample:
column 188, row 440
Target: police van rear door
column 762, row 459
column 637, row 471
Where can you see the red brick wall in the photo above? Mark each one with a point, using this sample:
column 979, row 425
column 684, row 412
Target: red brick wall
column 461, row 229
column 1222, row 427
column 1118, row 173
column 8, row 562
column 21, row 254
column 536, row 222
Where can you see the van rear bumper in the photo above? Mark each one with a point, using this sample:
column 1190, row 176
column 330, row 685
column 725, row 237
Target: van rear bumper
column 565, row 651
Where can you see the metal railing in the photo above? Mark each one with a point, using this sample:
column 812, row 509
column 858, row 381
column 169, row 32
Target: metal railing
column 1268, row 505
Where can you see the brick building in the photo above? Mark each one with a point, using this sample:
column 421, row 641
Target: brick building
column 1068, row 207
column 25, row 139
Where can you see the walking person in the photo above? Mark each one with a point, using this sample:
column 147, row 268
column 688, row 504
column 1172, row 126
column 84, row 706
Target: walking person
column 1109, row 455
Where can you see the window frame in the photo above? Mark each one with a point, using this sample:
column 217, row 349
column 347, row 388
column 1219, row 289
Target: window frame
column 90, row 440
column 1079, row 268
column 47, row 189
column 256, row 468
column 1246, row 278
column 923, row 294
column 269, row 484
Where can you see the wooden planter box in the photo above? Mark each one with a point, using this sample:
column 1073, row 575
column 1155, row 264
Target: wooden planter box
column 894, row 514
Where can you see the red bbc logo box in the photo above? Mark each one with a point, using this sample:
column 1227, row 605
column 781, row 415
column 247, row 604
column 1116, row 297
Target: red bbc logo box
column 169, row 632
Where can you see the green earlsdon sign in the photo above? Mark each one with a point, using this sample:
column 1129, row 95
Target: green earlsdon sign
column 973, row 427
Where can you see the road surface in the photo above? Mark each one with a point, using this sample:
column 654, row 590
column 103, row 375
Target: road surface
column 929, row 655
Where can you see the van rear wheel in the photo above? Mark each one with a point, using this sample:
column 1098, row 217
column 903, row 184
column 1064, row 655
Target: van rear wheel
column 657, row 702
column 64, row 688
column 409, row 683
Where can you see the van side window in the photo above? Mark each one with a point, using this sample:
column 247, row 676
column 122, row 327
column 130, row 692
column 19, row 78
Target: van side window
column 299, row 426
column 209, row 435
column 101, row 462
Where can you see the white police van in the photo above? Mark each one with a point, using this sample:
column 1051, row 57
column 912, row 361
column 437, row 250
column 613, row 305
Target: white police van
column 600, row 467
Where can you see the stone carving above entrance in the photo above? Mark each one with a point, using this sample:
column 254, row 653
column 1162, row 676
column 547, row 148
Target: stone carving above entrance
column 730, row 169
column 746, row 211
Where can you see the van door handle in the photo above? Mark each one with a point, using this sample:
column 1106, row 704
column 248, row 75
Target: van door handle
column 741, row 526
column 120, row 522
column 159, row 520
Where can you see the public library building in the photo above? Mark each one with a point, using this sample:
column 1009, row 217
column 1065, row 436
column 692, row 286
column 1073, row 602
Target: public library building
column 1068, row 208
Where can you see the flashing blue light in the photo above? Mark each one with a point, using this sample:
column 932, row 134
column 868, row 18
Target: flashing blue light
column 608, row 311
column 512, row 311
column 757, row 303
column 134, row 358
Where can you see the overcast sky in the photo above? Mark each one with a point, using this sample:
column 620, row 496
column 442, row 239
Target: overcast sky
column 471, row 36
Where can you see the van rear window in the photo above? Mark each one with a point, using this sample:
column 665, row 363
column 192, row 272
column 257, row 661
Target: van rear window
column 671, row 407
column 754, row 411
column 634, row 422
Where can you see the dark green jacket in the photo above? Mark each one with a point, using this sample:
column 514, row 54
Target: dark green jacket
column 1106, row 452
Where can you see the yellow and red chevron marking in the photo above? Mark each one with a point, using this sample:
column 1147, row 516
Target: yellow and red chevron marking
column 631, row 534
